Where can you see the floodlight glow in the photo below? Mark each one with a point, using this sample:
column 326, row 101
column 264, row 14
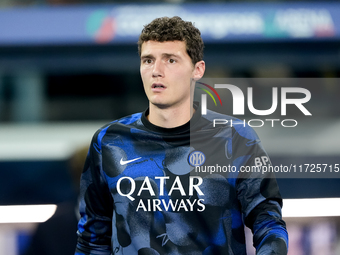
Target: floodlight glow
column 26, row 213
column 314, row 207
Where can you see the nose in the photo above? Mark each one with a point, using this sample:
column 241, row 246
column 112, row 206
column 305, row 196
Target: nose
column 158, row 69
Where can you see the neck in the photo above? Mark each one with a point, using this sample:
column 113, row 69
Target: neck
column 170, row 117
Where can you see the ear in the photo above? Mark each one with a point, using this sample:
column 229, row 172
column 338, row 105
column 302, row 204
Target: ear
column 199, row 70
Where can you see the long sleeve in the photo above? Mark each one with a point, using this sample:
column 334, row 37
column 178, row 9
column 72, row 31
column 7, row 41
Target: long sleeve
column 260, row 199
column 270, row 234
column 265, row 219
column 96, row 205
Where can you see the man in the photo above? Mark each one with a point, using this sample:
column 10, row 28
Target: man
column 142, row 190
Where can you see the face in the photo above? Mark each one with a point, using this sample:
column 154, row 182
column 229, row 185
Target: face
column 166, row 71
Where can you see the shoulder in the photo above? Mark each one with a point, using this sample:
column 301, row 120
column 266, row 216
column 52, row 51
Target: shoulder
column 127, row 122
column 223, row 121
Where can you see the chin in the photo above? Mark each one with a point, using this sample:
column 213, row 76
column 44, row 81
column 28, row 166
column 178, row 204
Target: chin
column 161, row 105
column 158, row 101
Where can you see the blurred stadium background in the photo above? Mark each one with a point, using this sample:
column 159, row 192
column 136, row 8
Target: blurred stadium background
column 69, row 66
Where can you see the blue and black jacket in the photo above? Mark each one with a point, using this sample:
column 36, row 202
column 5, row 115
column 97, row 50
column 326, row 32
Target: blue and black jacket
column 184, row 190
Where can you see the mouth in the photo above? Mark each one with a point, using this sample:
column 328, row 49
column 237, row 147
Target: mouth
column 158, row 86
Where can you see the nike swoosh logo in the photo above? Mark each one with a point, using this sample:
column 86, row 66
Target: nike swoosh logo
column 124, row 162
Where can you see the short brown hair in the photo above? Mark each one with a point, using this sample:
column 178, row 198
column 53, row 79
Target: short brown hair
column 174, row 29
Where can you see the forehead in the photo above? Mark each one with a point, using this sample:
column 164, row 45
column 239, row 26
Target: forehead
column 167, row 47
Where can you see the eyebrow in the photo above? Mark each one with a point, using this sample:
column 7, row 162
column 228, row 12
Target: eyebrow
column 167, row 55
column 147, row 56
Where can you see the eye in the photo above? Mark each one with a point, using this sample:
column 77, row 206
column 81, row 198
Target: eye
column 171, row 61
column 147, row 61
